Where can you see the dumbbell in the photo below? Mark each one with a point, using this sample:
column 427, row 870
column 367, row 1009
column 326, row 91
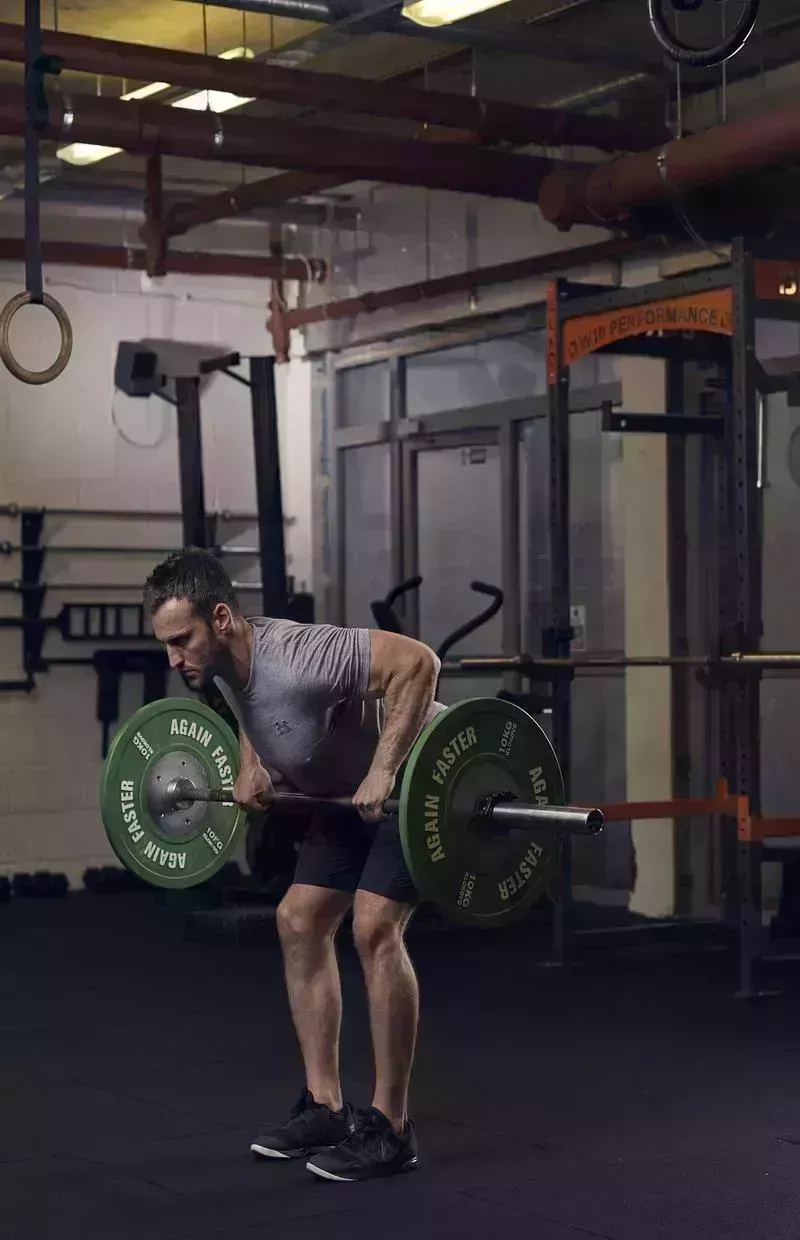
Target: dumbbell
column 47, row 886
column 110, row 880
column 22, row 885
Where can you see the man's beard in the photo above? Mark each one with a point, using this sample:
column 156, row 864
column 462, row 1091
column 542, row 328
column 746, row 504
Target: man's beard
column 203, row 681
column 218, row 664
column 198, row 682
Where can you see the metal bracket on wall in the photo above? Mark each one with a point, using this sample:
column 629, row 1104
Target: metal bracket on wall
column 660, row 423
column 32, row 562
column 780, row 374
column 24, row 685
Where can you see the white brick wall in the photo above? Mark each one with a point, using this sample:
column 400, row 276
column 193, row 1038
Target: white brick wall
column 61, row 447
column 49, row 771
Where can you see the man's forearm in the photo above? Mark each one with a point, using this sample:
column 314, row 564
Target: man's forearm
column 247, row 754
column 408, row 698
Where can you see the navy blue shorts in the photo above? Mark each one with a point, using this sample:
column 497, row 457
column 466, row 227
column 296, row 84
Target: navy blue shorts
column 342, row 852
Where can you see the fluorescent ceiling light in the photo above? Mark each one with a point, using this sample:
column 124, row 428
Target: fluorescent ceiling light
column 144, row 92
column 80, row 154
column 217, row 100
column 211, row 101
column 444, row 12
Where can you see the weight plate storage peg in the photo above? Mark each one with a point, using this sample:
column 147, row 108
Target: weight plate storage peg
column 479, row 871
column 171, row 739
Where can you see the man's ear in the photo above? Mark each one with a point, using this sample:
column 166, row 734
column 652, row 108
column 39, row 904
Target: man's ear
column 222, row 619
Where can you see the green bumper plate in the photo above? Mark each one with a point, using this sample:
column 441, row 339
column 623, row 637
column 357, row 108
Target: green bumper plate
column 474, row 872
column 165, row 740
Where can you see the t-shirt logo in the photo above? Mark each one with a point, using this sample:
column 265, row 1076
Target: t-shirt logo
column 282, row 727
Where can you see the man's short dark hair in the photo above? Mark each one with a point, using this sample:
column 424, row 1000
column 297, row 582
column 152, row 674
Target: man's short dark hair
column 193, row 574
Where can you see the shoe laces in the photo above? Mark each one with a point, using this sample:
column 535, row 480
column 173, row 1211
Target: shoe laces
column 369, row 1131
column 303, row 1104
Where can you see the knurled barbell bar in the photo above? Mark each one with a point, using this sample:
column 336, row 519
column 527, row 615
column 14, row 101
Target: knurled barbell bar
column 480, row 808
column 541, row 665
column 498, row 808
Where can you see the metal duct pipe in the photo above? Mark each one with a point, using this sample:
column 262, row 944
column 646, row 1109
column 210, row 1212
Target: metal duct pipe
column 466, row 281
column 610, row 191
column 243, row 198
column 123, row 258
column 78, row 189
column 591, row 96
column 300, row 10
column 271, row 191
column 490, row 121
column 252, row 196
column 150, row 128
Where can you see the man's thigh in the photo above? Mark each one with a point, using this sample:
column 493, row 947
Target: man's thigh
column 385, row 872
column 334, row 851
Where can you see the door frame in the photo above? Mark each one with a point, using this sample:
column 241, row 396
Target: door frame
column 499, row 423
column 411, row 447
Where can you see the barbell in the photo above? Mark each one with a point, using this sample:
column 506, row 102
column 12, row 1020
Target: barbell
column 480, row 804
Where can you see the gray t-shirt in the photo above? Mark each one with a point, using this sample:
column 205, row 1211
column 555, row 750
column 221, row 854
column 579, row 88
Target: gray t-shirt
column 306, row 709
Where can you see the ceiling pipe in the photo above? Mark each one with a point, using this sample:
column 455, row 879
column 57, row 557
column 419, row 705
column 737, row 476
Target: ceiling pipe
column 79, row 189
column 467, row 281
column 489, row 120
column 150, row 128
column 253, row 196
column 241, row 199
column 300, row 10
column 608, row 192
column 124, row 258
column 270, row 191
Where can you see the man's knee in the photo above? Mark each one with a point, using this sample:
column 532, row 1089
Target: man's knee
column 378, row 926
column 309, row 914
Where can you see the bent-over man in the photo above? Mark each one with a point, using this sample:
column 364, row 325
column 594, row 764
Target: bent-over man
column 333, row 712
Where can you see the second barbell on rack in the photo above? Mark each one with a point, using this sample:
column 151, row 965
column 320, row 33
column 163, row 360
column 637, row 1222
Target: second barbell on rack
column 546, row 667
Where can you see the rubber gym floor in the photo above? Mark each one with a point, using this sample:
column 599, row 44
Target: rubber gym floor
column 628, row 1098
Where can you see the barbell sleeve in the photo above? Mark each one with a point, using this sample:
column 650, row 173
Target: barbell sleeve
column 567, row 819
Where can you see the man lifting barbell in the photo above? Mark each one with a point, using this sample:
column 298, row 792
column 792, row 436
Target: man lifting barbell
column 331, row 711
column 476, row 829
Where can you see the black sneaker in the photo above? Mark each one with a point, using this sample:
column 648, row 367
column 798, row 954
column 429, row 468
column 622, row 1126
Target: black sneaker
column 311, row 1127
column 372, row 1149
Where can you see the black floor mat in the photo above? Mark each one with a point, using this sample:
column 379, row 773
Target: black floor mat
column 628, row 1099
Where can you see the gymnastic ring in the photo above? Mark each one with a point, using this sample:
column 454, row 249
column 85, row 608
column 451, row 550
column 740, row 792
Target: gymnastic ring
column 10, row 362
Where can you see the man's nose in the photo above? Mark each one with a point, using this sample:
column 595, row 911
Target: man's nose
column 175, row 658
